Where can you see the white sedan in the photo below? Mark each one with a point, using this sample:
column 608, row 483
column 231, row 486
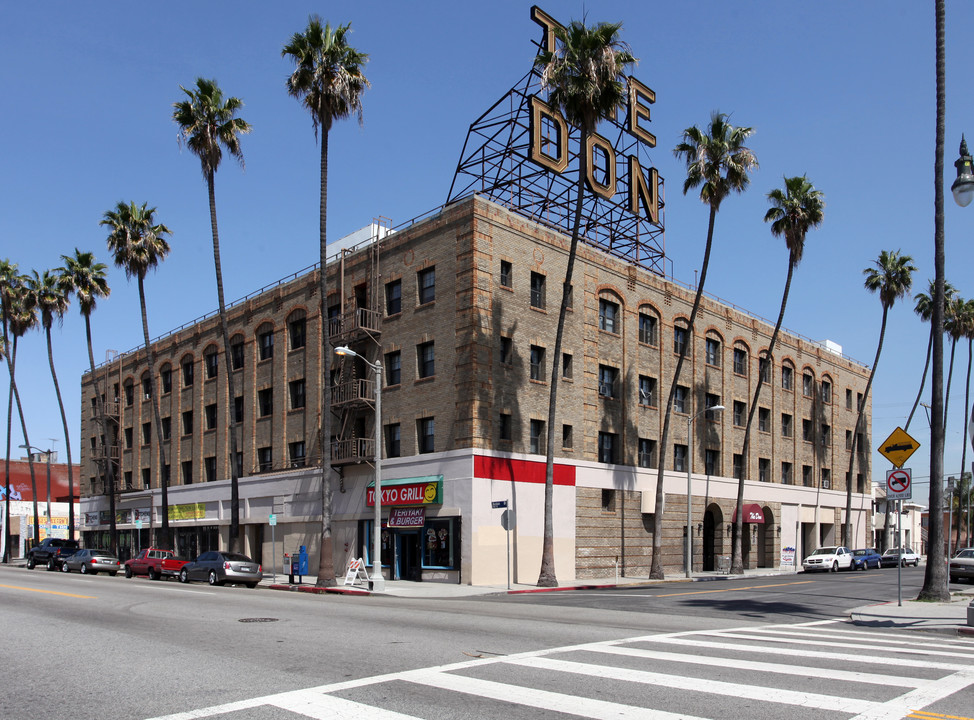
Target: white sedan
column 829, row 559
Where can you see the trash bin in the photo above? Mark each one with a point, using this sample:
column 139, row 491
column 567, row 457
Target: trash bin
column 723, row 564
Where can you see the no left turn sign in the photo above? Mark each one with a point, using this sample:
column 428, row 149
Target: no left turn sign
column 898, row 484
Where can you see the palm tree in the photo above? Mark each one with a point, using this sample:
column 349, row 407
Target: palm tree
column 87, row 280
column 52, row 301
column 954, row 327
column 719, row 163
column 207, row 125
column 793, row 212
column 892, row 278
column 935, row 577
column 584, row 76
column 139, row 245
column 8, row 276
column 924, row 308
column 329, row 81
column 965, row 322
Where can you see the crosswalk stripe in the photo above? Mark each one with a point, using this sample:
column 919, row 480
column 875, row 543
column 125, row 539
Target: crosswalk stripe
column 542, row 699
column 799, row 670
column 712, row 687
column 328, row 707
column 930, row 693
column 765, row 638
column 967, row 649
column 790, row 652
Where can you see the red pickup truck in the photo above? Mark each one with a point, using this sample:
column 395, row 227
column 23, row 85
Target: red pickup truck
column 155, row 563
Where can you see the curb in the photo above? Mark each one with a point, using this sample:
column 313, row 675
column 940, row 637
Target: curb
column 315, row 590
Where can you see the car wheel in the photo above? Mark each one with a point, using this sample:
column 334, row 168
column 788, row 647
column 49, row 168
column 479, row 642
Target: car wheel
column 835, row 566
column 31, row 563
column 113, row 574
column 153, row 575
column 128, row 571
column 183, row 576
column 213, row 578
column 64, row 567
column 865, row 566
column 51, row 565
column 916, row 563
column 84, row 569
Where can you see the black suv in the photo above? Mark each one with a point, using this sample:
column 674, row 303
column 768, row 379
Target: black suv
column 50, row 552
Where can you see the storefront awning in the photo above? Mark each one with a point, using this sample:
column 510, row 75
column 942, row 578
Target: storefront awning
column 752, row 513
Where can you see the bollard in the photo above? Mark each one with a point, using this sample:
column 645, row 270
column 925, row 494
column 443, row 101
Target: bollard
column 970, row 614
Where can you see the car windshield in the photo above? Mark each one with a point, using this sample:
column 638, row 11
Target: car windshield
column 966, row 554
column 892, row 551
column 825, row 551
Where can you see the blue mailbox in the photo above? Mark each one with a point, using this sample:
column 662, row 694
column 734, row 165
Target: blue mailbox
column 302, row 561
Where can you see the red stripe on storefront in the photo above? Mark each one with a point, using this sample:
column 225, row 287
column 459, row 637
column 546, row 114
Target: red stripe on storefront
column 494, row 468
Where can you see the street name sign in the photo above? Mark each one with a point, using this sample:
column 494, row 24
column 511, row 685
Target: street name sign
column 499, row 504
column 898, row 447
column 899, row 484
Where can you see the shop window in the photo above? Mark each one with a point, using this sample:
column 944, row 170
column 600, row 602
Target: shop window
column 440, row 541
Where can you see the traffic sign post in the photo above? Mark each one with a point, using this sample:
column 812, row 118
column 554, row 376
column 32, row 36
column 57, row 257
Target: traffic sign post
column 898, row 447
column 899, row 484
column 507, row 522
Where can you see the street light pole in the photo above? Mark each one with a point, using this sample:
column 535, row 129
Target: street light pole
column 378, row 582
column 688, row 549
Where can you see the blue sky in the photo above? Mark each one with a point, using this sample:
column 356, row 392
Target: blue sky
column 843, row 92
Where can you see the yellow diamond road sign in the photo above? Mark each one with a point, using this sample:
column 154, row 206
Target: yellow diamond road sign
column 898, row 447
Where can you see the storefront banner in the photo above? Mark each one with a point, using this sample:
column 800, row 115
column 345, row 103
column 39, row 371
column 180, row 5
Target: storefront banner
column 190, row 511
column 91, row 518
column 409, row 491
column 143, row 514
column 411, row 517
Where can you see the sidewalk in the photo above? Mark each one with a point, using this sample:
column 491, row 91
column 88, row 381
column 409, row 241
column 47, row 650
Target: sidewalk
column 948, row 617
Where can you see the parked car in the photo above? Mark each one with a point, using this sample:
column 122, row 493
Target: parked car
column 865, row 559
column 50, row 552
column 154, row 563
column 962, row 565
column 903, row 556
column 91, row 561
column 829, row 559
column 217, row 568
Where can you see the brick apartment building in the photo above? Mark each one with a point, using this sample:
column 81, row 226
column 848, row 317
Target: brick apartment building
column 461, row 309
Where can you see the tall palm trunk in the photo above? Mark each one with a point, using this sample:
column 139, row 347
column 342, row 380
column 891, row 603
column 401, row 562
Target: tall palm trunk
column 12, row 368
column 326, row 558
column 656, row 570
column 850, row 478
column 108, row 468
column 737, row 559
column 6, row 465
column 67, row 435
column 547, row 577
column 963, row 455
column 231, row 420
column 923, row 380
column 950, row 380
column 166, row 538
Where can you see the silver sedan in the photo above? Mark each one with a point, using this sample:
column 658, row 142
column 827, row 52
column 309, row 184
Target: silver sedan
column 218, row 568
column 962, row 565
column 91, row 561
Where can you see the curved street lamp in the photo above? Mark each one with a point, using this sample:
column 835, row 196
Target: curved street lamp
column 36, row 449
column 378, row 582
column 689, row 547
column 963, row 190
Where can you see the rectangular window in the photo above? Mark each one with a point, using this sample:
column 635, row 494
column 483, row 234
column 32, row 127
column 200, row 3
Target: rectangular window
column 393, row 368
column 807, row 475
column 858, row 401
column 712, row 352
column 146, row 433
column 764, row 470
column 237, row 354
column 444, row 553
column 209, row 468
column 608, row 381
column 647, row 329
column 608, row 500
column 537, row 290
column 740, row 361
column 807, row 431
column 764, row 370
column 566, row 366
column 506, row 351
column 426, row 281
column 537, row 363
column 507, row 270
column 764, row 420
column 186, row 468
column 740, row 413
column 567, row 437
column 393, row 298
column 425, row 360
column 711, row 400
column 265, row 459
column 296, row 454
column 787, row 425
column 738, row 466
column 826, row 436
column 188, row 422
column 426, row 435
column 711, row 461
column 187, row 373
column 787, row 378
column 647, row 453
column 238, row 409
column 808, row 382
column 265, row 344
column 129, row 395
column 209, row 414
column 265, row 402
column 609, row 316
column 128, row 480
column 647, row 390
column 211, row 360
column 296, row 389
column 848, row 439
column 297, row 333
column 826, row 479
column 608, row 442
column 786, row 478
column 848, row 399
column 166, row 428
column 680, row 398
column 505, row 426
column 679, row 340
column 680, row 458
column 536, row 437
column 128, row 438
column 393, row 439
column 826, row 392
column 146, row 477
column 165, row 376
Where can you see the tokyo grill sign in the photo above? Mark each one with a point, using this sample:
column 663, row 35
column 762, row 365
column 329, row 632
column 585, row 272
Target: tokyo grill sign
column 408, row 491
